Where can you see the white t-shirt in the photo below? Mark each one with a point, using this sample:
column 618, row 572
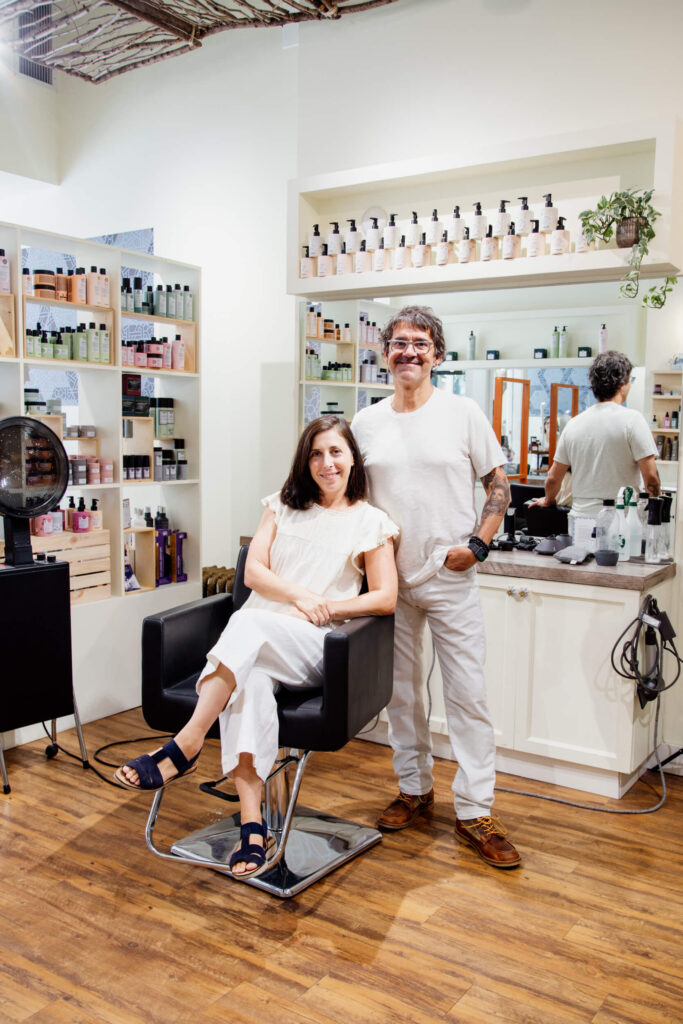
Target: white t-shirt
column 602, row 447
column 422, row 467
column 321, row 548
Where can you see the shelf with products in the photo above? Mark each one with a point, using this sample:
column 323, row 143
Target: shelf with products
column 84, row 307
column 498, row 323
column 129, row 314
column 575, row 170
column 181, row 337
column 68, row 343
column 93, row 395
column 666, row 406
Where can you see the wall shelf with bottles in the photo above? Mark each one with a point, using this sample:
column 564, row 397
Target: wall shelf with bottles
column 665, row 422
column 84, row 307
column 574, row 169
column 94, row 396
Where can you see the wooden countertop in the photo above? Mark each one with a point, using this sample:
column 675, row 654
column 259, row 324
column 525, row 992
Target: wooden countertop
column 528, row 565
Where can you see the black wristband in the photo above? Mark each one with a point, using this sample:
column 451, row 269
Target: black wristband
column 479, row 548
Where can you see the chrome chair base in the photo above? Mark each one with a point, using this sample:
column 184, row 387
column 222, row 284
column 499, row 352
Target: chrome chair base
column 308, row 844
column 316, row 844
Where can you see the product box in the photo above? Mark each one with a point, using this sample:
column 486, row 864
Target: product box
column 177, row 573
column 131, row 383
column 163, row 556
column 540, row 353
column 492, row 353
column 585, row 352
column 132, row 406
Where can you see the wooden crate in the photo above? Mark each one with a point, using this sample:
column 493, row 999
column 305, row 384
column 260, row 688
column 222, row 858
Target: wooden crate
column 89, row 558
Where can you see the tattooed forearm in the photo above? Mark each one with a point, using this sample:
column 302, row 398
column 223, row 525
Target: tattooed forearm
column 497, row 490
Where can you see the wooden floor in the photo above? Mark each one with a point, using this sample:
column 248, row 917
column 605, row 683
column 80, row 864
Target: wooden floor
column 96, row 930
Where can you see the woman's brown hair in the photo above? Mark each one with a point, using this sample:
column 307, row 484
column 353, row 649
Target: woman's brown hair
column 299, row 490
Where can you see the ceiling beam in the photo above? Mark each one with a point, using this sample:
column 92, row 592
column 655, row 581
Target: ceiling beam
column 152, row 14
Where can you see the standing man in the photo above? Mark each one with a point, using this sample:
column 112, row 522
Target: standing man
column 423, row 450
column 607, row 446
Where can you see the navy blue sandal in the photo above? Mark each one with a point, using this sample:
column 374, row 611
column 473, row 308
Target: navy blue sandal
column 148, row 772
column 248, row 853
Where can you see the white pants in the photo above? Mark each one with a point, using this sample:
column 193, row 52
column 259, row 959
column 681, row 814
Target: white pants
column 262, row 649
column 449, row 603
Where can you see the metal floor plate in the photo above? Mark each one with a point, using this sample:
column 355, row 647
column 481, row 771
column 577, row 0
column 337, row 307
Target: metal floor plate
column 317, row 844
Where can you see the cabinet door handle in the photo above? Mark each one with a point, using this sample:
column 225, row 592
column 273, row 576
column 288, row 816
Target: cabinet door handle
column 511, row 591
column 524, row 592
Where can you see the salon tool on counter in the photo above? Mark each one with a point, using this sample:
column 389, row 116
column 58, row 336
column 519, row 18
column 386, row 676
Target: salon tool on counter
column 573, row 554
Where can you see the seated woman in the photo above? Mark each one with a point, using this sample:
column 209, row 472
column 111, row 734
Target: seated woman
column 305, row 568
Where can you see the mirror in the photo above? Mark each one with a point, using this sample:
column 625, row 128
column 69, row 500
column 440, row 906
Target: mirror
column 511, row 423
column 563, row 407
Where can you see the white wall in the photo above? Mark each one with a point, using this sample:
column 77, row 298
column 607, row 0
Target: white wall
column 29, row 130
column 424, row 77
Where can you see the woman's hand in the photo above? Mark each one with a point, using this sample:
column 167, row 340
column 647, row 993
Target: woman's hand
column 313, row 607
column 460, row 558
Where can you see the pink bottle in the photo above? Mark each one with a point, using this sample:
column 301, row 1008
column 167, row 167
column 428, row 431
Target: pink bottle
column 81, row 518
column 42, row 525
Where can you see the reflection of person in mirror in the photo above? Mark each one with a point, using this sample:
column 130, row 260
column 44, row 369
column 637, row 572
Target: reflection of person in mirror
column 423, row 450
column 606, row 447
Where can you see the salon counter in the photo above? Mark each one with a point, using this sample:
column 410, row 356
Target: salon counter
column 623, row 576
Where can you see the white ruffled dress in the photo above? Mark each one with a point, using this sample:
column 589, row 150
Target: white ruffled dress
column 263, row 646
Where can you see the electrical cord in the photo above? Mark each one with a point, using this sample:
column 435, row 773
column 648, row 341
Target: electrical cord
column 594, row 807
column 96, row 756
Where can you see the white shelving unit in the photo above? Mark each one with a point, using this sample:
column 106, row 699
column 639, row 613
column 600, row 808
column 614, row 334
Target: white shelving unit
column 106, row 633
column 669, row 383
column 575, row 169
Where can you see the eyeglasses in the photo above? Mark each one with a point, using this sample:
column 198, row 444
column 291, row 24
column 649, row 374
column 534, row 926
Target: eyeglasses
column 421, row 347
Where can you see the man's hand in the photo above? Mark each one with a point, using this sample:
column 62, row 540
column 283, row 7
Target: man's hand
column 544, row 502
column 459, row 559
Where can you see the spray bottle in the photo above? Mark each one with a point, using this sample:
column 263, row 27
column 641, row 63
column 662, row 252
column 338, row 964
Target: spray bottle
column 623, row 530
column 653, row 531
column 665, row 551
column 634, row 523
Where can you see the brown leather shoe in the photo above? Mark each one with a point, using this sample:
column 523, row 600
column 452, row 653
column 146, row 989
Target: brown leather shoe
column 486, row 835
column 404, row 810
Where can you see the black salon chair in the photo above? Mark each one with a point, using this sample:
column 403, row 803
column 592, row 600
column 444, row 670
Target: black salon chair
column 357, row 683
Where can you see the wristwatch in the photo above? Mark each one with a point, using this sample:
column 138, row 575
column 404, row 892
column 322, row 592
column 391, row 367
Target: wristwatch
column 479, row 548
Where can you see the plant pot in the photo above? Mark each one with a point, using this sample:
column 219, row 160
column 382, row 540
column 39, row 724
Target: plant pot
column 628, row 231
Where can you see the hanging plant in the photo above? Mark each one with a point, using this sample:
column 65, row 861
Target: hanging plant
column 631, row 216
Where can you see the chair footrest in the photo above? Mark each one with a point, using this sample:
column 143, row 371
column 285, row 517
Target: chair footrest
column 317, row 844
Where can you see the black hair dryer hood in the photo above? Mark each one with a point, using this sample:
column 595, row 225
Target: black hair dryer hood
column 34, row 472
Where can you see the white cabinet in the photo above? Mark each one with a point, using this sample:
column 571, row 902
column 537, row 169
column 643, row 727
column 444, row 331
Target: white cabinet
column 555, row 688
column 560, row 712
column 106, row 632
